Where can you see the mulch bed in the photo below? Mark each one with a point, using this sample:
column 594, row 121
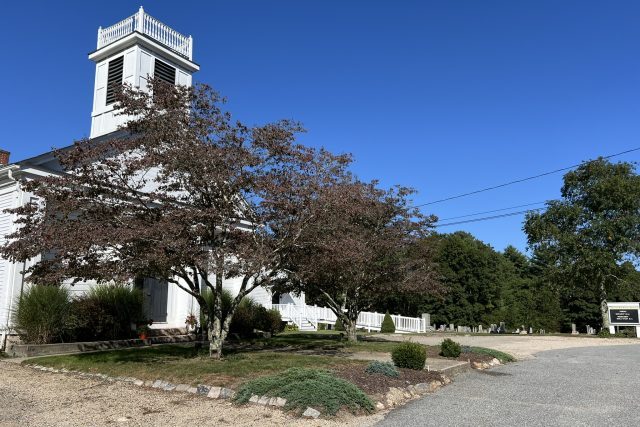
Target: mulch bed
column 378, row 383
column 475, row 357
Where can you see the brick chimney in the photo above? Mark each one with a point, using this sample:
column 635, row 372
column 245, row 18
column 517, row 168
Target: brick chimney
column 4, row 157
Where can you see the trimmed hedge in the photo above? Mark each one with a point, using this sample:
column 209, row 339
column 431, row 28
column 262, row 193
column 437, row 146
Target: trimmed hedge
column 409, row 355
column 387, row 327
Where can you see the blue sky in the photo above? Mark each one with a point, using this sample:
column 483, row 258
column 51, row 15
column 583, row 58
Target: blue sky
column 446, row 97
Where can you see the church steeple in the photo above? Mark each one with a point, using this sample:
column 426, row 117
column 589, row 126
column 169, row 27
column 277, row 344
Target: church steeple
column 131, row 51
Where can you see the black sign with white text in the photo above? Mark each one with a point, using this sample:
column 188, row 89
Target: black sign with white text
column 626, row 316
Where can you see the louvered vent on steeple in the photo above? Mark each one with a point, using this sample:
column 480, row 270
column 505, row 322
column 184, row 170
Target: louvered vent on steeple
column 114, row 78
column 165, row 72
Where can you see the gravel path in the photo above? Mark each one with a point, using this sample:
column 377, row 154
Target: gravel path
column 520, row 346
column 576, row 387
column 33, row 398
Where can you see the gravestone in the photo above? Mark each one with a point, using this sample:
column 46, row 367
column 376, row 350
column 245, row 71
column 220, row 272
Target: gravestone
column 480, row 328
column 530, row 330
column 574, row 331
column 427, row 318
column 451, row 328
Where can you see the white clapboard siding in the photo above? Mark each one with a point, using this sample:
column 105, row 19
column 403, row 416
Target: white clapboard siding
column 7, row 200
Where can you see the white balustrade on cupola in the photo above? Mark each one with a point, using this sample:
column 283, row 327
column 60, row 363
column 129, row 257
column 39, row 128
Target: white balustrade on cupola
column 150, row 26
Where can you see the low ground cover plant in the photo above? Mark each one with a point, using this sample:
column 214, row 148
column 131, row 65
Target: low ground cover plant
column 450, row 348
column 409, row 355
column 384, row 368
column 303, row 387
column 387, row 327
column 501, row 356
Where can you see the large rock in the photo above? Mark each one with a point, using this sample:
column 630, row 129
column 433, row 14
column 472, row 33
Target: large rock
column 311, row 413
column 277, row 401
column 203, row 389
column 227, row 393
column 214, row 393
column 394, row 397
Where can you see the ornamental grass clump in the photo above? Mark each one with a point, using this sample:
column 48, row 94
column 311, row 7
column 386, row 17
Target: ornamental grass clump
column 450, row 348
column 409, row 355
column 106, row 312
column 384, row 368
column 303, row 387
column 387, row 327
column 42, row 314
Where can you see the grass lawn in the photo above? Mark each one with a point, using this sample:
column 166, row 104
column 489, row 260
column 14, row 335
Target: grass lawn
column 182, row 364
column 251, row 359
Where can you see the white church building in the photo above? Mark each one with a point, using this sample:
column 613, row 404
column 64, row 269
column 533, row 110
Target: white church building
column 131, row 51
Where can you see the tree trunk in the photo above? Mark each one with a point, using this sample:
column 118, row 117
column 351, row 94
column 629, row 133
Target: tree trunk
column 604, row 310
column 217, row 334
column 350, row 329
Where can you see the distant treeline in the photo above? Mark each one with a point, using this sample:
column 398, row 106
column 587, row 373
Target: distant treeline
column 484, row 286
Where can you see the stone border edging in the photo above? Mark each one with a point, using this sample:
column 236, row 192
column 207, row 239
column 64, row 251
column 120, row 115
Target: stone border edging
column 211, row 392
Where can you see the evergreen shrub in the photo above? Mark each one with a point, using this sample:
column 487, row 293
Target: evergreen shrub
column 387, row 327
column 450, row 348
column 409, row 355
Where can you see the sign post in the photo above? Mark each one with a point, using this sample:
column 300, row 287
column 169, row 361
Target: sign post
column 624, row 314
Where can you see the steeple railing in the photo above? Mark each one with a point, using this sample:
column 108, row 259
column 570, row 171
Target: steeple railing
column 146, row 24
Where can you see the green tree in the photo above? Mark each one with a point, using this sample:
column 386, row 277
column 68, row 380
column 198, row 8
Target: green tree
column 472, row 274
column 588, row 235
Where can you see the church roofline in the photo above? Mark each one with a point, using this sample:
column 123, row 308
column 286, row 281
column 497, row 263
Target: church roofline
column 47, row 156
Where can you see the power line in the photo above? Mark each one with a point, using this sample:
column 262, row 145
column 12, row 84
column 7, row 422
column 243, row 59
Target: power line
column 486, row 218
column 482, row 190
column 491, row 211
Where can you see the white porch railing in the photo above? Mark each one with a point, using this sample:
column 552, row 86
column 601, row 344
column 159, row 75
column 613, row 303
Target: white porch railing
column 146, row 24
column 372, row 321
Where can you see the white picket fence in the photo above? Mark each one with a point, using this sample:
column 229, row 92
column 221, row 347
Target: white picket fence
column 305, row 315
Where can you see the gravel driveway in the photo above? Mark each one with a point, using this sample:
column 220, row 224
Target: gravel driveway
column 33, row 398
column 595, row 386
